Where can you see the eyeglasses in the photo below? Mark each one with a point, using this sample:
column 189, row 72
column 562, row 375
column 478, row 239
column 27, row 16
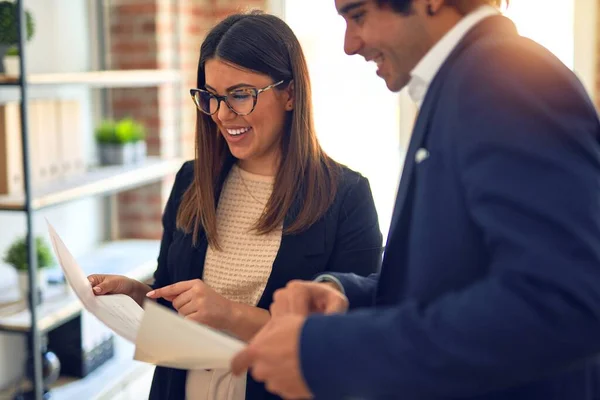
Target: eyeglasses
column 240, row 101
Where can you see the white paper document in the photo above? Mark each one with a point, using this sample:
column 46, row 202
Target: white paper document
column 168, row 340
column 117, row 311
column 161, row 336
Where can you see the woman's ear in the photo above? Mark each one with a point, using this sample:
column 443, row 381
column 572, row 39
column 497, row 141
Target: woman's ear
column 289, row 104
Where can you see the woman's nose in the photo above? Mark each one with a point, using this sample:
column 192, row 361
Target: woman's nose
column 224, row 113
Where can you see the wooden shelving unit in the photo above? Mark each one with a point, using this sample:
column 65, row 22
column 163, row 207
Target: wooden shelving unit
column 100, row 79
column 134, row 258
column 9, row 80
column 119, row 376
column 100, row 181
column 94, row 79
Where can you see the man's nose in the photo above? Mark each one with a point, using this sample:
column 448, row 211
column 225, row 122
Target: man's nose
column 352, row 43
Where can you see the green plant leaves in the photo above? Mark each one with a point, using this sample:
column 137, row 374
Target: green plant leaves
column 16, row 255
column 8, row 23
column 124, row 131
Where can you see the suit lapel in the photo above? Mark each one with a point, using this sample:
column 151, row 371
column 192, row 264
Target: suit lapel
column 416, row 141
column 496, row 25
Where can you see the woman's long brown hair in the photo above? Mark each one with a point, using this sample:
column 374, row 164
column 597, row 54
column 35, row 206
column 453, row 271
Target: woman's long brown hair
column 265, row 44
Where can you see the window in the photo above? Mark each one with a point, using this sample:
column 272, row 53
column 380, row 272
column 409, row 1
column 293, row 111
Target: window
column 359, row 122
column 567, row 28
column 548, row 22
column 356, row 117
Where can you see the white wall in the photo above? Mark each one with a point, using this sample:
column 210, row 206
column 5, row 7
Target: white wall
column 60, row 44
column 548, row 22
column 276, row 7
column 363, row 125
column 356, row 117
column 586, row 43
column 568, row 28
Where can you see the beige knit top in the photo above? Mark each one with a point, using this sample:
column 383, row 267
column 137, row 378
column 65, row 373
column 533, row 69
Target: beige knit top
column 240, row 270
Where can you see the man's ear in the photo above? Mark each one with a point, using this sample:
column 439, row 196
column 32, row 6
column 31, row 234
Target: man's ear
column 432, row 7
column 289, row 105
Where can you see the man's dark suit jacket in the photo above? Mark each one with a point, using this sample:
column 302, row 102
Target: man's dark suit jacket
column 490, row 283
column 346, row 239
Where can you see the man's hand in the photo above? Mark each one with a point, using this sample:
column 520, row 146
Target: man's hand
column 304, row 298
column 197, row 301
column 272, row 357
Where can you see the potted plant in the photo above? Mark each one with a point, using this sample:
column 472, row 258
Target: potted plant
column 121, row 143
column 12, row 61
column 134, row 133
column 9, row 36
column 16, row 255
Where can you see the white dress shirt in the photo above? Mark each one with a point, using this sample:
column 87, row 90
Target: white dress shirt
column 422, row 75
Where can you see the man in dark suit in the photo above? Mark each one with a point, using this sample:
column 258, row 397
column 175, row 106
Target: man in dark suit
column 490, row 283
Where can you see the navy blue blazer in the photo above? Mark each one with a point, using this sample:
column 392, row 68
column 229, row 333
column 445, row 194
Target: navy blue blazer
column 346, row 239
column 490, row 283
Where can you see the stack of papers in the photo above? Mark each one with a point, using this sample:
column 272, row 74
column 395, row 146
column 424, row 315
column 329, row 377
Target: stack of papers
column 168, row 340
column 160, row 335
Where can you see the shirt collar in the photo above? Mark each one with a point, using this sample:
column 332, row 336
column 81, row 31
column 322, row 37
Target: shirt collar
column 422, row 75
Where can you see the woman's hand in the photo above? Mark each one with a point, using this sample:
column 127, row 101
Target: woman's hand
column 119, row 284
column 196, row 301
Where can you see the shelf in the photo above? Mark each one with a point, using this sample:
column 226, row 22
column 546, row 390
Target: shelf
column 8, row 80
column 133, row 258
column 116, row 377
column 100, row 79
column 119, row 376
column 12, row 83
column 102, row 180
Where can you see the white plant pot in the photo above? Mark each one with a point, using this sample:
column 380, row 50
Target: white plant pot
column 42, row 282
column 117, row 154
column 140, row 151
column 12, row 65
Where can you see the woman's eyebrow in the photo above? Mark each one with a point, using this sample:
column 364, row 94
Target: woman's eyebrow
column 230, row 88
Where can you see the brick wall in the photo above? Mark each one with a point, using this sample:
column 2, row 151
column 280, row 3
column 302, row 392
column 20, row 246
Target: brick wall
column 196, row 19
column 160, row 34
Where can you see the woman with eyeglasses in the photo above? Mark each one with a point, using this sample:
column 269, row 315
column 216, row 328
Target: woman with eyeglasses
column 261, row 204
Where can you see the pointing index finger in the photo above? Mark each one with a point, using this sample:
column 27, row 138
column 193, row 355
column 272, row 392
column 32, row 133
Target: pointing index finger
column 171, row 290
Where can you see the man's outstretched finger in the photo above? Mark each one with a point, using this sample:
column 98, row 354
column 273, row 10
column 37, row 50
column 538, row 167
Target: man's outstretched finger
column 280, row 305
column 335, row 307
column 334, row 303
column 243, row 361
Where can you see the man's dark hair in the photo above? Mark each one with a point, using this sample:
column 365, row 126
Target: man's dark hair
column 463, row 6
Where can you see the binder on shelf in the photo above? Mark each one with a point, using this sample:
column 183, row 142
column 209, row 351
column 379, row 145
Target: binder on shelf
column 70, row 139
column 11, row 166
column 55, row 141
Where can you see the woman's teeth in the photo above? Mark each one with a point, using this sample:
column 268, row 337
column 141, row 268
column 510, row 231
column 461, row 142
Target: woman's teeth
column 237, row 132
